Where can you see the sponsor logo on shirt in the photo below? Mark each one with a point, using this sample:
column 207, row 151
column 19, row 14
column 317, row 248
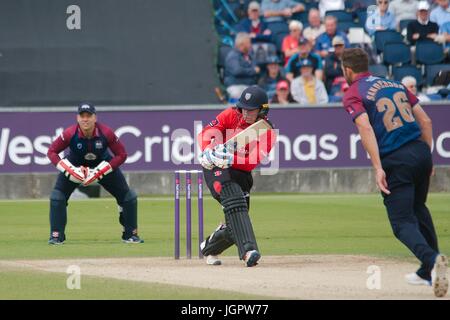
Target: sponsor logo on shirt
column 98, row 144
column 213, row 123
column 90, row 156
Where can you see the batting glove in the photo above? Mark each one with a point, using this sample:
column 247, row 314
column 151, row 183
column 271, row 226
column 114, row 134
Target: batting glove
column 206, row 160
column 221, row 157
column 74, row 174
column 98, row 173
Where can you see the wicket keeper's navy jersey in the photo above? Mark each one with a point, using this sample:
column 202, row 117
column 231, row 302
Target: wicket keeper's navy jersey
column 389, row 107
column 88, row 152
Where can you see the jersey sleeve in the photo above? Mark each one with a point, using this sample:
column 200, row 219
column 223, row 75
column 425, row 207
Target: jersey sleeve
column 413, row 100
column 214, row 132
column 353, row 104
column 116, row 146
column 60, row 144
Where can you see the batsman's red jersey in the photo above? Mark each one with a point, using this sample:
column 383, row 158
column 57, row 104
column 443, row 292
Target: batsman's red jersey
column 226, row 125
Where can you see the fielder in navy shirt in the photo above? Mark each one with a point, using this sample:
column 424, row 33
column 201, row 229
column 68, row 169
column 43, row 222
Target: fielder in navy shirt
column 90, row 161
column 397, row 134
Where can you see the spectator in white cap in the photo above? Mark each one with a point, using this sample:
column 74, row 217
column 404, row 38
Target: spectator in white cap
column 289, row 46
column 422, row 28
column 411, row 84
column 441, row 14
column 381, row 18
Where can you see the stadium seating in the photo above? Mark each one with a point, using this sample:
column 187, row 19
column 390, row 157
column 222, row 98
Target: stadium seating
column 346, row 25
column 221, row 56
column 404, row 23
column 407, row 70
column 429, row 52
column 341, row 15
column 395, row 53
column 432, row 70
column 381, row 37
column 379, row 70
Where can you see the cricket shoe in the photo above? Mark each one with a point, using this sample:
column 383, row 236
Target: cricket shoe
column 213, row 260
column 133, row 239
column 251, row 258
column 55, row 241
column 415, row 280
column 439, row 276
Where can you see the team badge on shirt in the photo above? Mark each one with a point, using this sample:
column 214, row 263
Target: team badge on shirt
column 90, row 156
column 98, row 144
column 213, row 123
column 79, row 146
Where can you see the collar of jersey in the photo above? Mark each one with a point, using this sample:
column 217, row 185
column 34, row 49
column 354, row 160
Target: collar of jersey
column 362, row 75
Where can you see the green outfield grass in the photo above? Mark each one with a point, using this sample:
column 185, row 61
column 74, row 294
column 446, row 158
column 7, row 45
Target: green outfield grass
column 285, row 224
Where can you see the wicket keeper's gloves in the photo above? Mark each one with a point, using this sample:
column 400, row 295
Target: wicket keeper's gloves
column 75, row 174
column 97, row 173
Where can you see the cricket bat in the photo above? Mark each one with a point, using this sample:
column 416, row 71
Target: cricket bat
column 248, row 135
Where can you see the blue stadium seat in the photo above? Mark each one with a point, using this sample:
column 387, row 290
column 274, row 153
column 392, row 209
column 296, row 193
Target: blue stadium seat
column 341, row 15
column 396, row 52
column 344, row 26
column 381, row 37
column 404, row 23
column 407, row 70
column 429, row 52
column 361, row 15
column 301, row 16
column 432, row 70
column 379, row 70
column 278, row 27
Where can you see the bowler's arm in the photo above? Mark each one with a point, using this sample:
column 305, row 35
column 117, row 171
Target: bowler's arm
column 425, row 124
column 370, row 144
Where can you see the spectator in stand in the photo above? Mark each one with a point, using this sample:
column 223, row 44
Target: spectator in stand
column 441, row 14
column 422, row 28
column 315, row 27
column 411, row 84
column 254, row 24
column 293, row 65
column 323, row 42
column 444, row 38
column 280, row 10
column 333, row 63
column 403, row 10
column 307, row 89
column 273, row 75
column 240, row 69
column 328, row 5
column 381, row 18
column 283, row 94
column 290, row 42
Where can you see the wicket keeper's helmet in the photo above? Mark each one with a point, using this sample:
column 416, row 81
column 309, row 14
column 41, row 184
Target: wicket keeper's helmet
column 254, row 98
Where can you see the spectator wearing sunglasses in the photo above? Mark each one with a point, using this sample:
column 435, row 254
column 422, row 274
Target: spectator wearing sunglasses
column 381, row 18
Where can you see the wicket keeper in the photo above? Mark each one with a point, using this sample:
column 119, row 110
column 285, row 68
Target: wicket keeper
column 228, row 174
column 89, row 161
column 397, row 134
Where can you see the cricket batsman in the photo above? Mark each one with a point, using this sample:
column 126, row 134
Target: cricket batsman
column 228, row 174
column 89, row 161
column 397, row 134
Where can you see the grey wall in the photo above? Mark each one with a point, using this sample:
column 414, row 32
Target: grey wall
column 16, row 186
column 126, row 52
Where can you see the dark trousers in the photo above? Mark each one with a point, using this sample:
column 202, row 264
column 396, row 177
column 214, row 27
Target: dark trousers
column 216, row 177
column 408, row 172
column 114, row 183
